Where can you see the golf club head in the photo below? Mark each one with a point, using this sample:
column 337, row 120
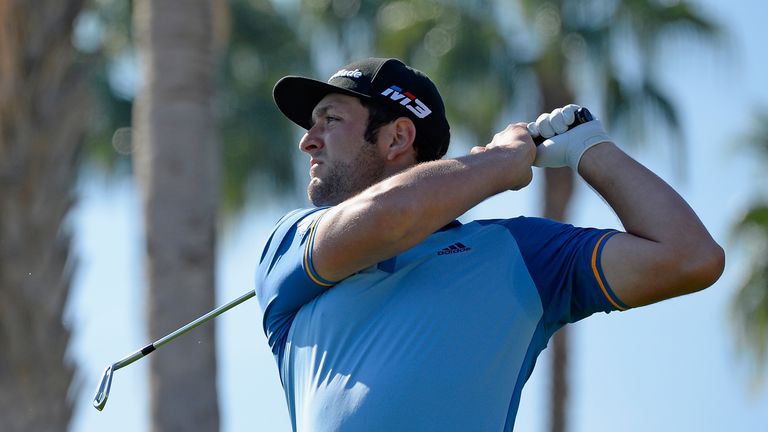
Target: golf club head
column 100, row 399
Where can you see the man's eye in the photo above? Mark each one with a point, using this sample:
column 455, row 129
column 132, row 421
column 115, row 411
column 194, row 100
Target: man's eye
column 330, row 119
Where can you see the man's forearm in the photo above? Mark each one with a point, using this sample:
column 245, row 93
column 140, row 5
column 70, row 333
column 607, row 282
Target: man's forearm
column 646, row 205
column 432, row 194
column 399, row 212
column 682, row 256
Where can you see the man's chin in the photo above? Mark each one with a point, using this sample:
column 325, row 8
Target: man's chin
column 318, row 196
column 319, row 202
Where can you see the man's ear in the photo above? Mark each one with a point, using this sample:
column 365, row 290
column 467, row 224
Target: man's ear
column 403, row 135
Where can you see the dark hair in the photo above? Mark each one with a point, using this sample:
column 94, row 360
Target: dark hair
column 380, row 114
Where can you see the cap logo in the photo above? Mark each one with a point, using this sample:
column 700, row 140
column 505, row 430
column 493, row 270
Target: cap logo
column 347, row 73
column 408, row 100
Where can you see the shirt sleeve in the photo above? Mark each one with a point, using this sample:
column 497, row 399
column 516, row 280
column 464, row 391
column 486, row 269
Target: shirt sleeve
column 564, row 263
column 285, row 279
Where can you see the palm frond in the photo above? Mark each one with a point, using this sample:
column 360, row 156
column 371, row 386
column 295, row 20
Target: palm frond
column 652, row 23
column 754, row 222
column 749, row 308
column 749, row 311
column 757, row 138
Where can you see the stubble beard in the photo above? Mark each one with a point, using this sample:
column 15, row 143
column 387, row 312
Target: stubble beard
column 346, row 179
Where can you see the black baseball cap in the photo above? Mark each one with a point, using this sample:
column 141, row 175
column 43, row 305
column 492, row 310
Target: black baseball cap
column 384, row 80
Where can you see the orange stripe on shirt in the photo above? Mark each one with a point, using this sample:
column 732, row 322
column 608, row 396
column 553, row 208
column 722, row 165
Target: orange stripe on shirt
column 597, row 274
column 308, row 250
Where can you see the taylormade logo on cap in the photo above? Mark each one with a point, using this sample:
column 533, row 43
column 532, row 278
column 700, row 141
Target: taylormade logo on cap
column 347, row 73
column 405, row 98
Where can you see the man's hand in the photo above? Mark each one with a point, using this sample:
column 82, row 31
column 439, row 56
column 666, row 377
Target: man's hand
column 515, row 145
column 564, row 147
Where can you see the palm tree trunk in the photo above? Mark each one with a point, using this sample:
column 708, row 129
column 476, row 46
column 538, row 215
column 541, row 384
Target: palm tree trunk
column 558, row 191
column 43, row 109
column 176, row 166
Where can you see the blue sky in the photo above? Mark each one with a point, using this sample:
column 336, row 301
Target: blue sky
column 672, row 366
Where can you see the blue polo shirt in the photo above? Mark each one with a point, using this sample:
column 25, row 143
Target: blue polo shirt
column 439, row 338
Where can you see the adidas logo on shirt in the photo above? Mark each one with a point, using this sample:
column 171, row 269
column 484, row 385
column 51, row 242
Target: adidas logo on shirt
column 454, row 248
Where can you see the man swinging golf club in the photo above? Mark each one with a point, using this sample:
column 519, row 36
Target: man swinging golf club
column 385, row 313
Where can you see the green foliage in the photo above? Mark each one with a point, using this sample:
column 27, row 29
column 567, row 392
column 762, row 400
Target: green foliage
column 603, row 34
column 468, row 47
column 458, row 44
column 758, row 138
column 652, row 19
column 750, row 304
column 260, row 46
column 103, row 35
column 478, row 57
column 463, row 50
column 256, row 137
column 101, row 143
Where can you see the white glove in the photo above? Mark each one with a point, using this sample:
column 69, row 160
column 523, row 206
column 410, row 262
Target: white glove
column 564, row 147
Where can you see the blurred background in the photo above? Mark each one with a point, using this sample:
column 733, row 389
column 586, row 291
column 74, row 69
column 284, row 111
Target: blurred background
column 143, row 165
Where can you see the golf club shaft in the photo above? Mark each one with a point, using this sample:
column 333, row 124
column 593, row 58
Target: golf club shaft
column 102, row 392
column 173, row 335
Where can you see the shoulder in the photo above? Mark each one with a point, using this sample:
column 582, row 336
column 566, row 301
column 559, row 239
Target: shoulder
column 540, row 237
column 282, row 283
column 299, row 220
column 522, row 227
column 291, row 227
column 299, row 217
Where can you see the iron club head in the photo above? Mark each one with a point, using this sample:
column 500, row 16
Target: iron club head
column 100, row 399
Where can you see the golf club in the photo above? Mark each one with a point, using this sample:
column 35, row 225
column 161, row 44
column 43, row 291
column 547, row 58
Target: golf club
column 102, row 393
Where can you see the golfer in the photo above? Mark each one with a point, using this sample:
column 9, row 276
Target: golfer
column 385, row 313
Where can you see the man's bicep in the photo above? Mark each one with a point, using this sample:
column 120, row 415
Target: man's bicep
column 634, row 268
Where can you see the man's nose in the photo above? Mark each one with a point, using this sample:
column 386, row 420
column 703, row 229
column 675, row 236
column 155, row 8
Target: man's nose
column 310, row 142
